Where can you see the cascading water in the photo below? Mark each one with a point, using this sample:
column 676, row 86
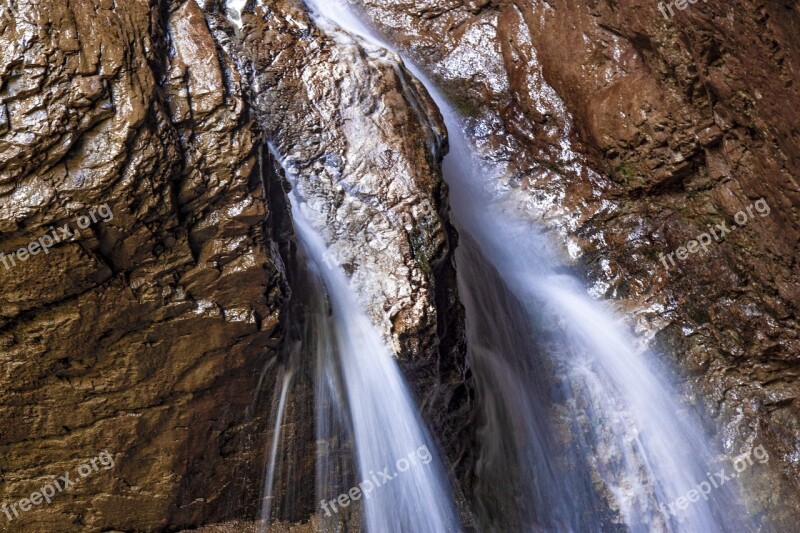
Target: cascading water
column 613, row 416
column 579, row 431
column 361, row 394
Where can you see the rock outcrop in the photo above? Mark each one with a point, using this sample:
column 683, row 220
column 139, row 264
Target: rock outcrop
column 153, row 331
column 631, row 133
column 144, row 333
column 144, row 224
column 361, row 142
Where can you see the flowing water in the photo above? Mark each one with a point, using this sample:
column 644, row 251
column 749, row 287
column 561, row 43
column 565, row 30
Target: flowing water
column 361, row 398
column 579, row 430
column 594, row 407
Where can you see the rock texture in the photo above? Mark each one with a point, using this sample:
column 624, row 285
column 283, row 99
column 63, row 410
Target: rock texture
column 144, row 334
column 151, row 332
column 630, row 134
column 142, row 125
column 361, row 142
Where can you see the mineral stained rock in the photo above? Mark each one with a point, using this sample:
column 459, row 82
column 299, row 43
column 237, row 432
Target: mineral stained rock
column 362, row 142
column 630, row 134
column 134, row 134
column 143, row 334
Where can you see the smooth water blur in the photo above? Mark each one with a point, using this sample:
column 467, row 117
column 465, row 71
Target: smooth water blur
column 362, row 396
column 546, row 353
column 284, row 384
column 576, row 425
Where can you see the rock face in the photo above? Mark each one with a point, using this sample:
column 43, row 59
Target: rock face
column 632, row 134
column 361, row 141
column 368, row 174
column 144, row 225
column 144, row 333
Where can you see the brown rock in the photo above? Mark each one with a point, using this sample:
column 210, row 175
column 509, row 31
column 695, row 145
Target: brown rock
column 678, row 125
column 144, row 334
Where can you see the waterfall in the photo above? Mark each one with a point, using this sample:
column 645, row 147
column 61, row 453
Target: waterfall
column 537, row 339
column 580, row 431
column 361, row 398
column 614, row 429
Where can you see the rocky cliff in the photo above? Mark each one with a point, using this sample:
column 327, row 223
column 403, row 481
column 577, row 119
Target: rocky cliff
column 142, row 334
column 362, row 143
column 145, row 230
column 144, row 331
column 632, row 130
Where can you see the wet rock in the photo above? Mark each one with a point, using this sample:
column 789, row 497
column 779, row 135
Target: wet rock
column 362, row 141
column 630, row 135
column 144, row 333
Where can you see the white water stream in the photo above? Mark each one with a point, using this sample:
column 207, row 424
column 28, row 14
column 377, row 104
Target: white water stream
column 360, row 384
column 577, row 425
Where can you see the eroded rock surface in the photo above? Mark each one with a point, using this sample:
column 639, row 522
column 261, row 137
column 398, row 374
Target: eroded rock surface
column 630, row 134
column 362, row 143
column 144, row 334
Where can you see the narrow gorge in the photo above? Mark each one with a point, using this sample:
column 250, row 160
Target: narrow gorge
column 399, row 266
